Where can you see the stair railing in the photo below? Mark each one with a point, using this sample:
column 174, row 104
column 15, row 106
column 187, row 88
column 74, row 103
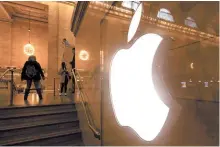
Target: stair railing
column 2, row 76
column 11, row 69
column 83, row 102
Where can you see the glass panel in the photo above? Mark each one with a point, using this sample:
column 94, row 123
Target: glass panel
column 180, row 66
column 88, row 67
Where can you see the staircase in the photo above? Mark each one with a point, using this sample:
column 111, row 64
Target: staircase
column 46, row 125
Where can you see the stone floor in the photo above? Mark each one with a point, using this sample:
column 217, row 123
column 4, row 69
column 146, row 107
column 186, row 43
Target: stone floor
column 33, row 99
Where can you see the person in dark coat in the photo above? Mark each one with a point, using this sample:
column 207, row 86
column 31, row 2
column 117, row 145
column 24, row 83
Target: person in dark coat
column 32, row 72
column 64, row 78
column 73, row 65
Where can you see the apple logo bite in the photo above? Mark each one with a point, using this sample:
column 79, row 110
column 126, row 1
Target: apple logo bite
column 134, row 99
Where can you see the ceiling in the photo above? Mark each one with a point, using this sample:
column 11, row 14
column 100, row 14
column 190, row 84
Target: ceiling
column 205, row 13
column 26, row 10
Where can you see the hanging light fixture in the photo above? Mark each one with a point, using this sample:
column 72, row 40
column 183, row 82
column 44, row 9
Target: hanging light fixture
column 84, row 55
column 28, row 48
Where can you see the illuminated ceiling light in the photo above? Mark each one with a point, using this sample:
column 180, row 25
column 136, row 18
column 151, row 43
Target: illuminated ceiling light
column 28, row 48
column 83, row 55
column 200, row 81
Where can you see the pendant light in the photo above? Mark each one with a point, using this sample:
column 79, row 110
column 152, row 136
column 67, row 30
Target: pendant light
column 28, row 48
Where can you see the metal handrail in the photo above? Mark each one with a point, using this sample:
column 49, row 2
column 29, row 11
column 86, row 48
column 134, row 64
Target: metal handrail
column 4, row 73
column 12, row 83
column 95, row 131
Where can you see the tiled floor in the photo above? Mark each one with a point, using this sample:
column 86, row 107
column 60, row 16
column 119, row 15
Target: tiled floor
column 33, row 99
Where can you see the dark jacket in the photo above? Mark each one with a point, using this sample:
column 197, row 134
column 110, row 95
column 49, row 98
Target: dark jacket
column 39, row 72
column 73, row 63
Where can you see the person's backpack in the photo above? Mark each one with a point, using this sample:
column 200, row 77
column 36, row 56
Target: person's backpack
column 31, row 71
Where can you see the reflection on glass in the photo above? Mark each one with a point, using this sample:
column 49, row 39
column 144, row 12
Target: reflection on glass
column 206, row 84
column 183, row 84
column 191, row 66
column 134, row 23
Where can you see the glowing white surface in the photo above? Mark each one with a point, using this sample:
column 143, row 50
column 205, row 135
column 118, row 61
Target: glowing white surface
column 134, row 98
column 134, row 23
column 83, row 55
column 29, row 49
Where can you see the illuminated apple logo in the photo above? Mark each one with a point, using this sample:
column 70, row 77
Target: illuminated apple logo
column 134, row 98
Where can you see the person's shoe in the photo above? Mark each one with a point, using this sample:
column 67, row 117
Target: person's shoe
column 26, row 102
column 60, row 94
column 25, row 97
column 40, row 101
column 65, row 94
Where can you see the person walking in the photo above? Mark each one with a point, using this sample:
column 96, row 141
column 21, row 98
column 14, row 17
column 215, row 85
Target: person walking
column 64, row 78
column 73, row 65
column 32, row 72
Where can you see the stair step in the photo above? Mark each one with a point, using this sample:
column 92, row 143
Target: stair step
column 31, row 121
column 72, row 139
column 34, row 129
column 71, row 143
column 45, row 125
column 43, row 135
column 36, row 106
column 34, row 111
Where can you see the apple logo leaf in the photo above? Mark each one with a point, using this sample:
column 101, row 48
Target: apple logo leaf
column 134, row 23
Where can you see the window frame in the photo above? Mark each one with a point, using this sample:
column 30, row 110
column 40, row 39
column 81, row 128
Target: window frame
column 130, row 5
column 168, row 15
column 190, row 19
